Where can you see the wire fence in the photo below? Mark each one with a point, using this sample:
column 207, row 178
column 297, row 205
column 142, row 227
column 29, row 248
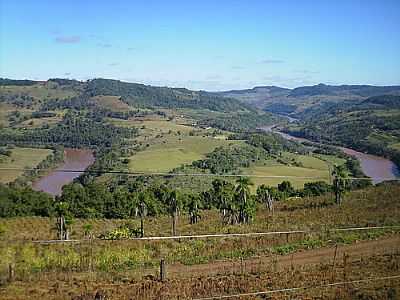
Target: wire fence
column 135, row 258
column 284, row 233
column 296, row 289
column 227, row 235
column 136, row 174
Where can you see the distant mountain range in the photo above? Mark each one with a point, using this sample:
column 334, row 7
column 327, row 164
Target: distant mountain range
column 283, row 100
column 268, row 98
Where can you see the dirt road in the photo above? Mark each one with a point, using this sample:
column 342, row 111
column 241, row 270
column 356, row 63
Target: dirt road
column 303, row 258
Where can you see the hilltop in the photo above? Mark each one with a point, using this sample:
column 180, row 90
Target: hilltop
column 292, row 101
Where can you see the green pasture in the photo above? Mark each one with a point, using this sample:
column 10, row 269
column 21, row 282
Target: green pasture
column 172, row 151
column 20, row 158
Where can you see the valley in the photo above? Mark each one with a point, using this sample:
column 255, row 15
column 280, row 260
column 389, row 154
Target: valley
column 199, row 150
column 192, row 163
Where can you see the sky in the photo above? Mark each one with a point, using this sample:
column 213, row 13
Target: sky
column 208, row 45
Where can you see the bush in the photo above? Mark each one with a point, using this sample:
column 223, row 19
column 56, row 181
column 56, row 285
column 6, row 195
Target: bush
column 123, row 232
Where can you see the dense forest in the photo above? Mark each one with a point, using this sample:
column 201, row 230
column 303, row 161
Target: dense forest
column 140, row 95
column 230, row 159
column 75, row 130
column 239, row 122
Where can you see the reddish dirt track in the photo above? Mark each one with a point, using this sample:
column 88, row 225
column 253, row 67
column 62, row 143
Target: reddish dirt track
column 303, row 258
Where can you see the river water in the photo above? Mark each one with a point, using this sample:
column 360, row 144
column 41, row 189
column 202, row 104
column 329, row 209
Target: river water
column 378, row 168
column 74, row 159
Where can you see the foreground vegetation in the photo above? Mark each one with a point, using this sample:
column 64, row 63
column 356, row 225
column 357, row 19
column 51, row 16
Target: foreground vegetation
column 97, row 263
column 236, row 279
column 375, row 206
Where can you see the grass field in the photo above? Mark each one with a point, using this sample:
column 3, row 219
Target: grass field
column 20, row 158
column 330, row 159
column 39, row 91
column 111, row 102
column 39, row 122
column 162, row 126
column 5, row 109
column 281, row 170
column 172, row 151
column 317, row 168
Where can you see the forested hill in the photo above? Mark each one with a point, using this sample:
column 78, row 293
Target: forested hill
column 354, row 91
column 294, row 101
column 24, row 92
column 371, row 125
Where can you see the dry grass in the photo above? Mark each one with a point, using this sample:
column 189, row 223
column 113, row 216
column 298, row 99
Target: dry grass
column 117, row 267
column 84, row 286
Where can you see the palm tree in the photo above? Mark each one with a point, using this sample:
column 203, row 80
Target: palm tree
column 339, row 183
column 223, row 194
column 133, row 199
column 193, row 207
column 265, row 196
column 243, row 194
column 174, row 205
column 142, row 210
column 64, row 220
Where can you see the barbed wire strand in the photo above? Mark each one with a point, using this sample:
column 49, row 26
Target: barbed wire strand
column 217, row 235
column 295, row 289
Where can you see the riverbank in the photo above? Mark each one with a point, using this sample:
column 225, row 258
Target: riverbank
column 74, row 159
column 378, row 168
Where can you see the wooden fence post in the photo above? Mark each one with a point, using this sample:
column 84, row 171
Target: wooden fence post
column 241, row 266
column 334, row 263
column 11, row 272
column 162, row 270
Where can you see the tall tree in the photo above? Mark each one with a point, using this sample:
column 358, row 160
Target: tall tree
column 64, row 220
column 142, row 209
column 265, row 195
column 243, row 198
column 286, row 188
column 222, row 193
column 174, row 206
column 194, row 209
column 340, row 182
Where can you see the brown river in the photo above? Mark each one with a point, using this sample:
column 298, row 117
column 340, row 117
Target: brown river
column 74, row 159
column 377, row 167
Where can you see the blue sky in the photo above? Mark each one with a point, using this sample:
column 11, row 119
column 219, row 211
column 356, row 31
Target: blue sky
column 212, row 45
